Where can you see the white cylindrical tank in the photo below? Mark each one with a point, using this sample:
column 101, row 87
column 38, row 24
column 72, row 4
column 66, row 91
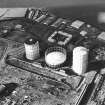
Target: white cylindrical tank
column 55, row 56
column 31, row 49
column 80, row 60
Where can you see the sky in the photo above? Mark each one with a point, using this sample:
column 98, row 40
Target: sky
column 47, row 3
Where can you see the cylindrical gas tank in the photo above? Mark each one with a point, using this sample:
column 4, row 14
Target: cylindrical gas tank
column 55, row 56
column 31, row 49
column 80, row 60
